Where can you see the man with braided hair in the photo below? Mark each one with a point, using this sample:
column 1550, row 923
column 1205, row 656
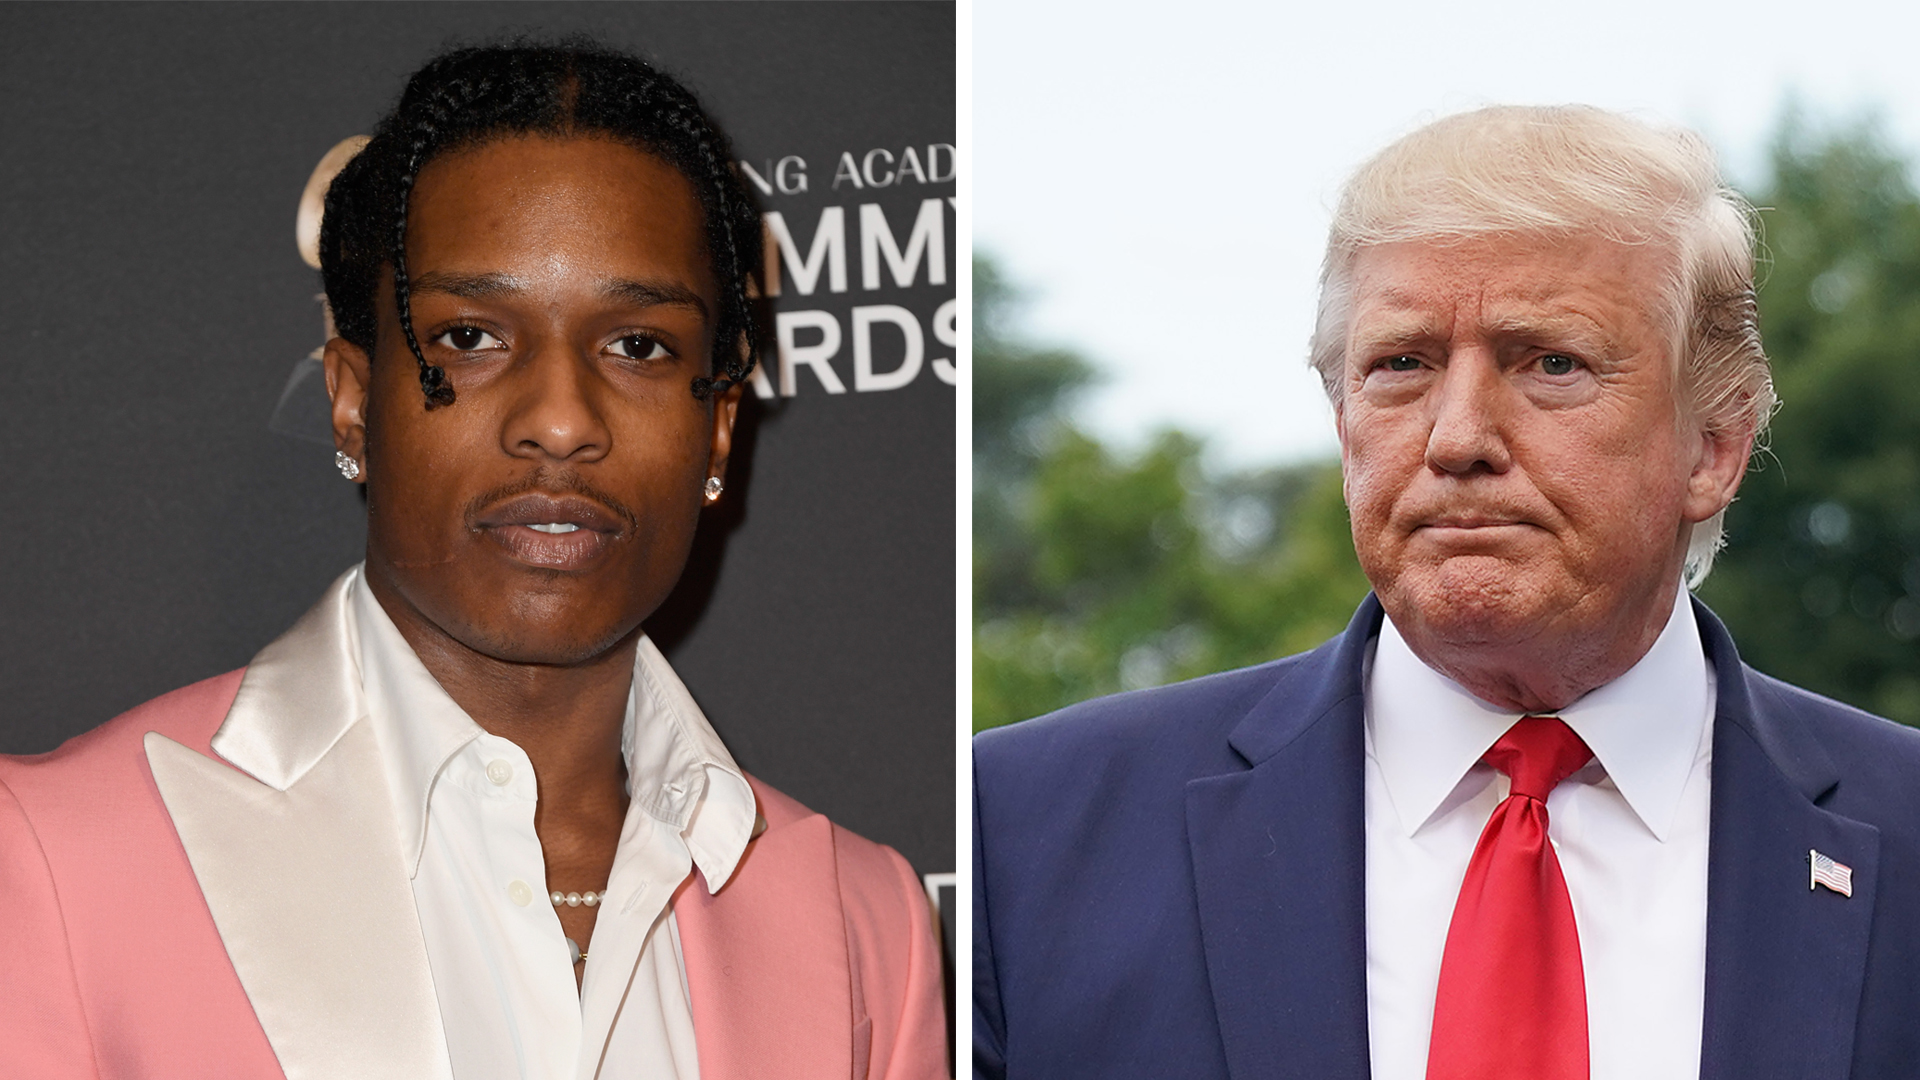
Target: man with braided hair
column 463, row 820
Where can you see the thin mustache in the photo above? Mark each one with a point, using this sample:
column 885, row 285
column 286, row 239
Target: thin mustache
column 549, row 481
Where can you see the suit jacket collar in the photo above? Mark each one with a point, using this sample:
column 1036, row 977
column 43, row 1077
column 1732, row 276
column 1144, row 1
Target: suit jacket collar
column 299, row 696
column 1321, row 686
column 1783, row 739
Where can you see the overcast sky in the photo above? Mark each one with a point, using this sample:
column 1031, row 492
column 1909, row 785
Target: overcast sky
column 1159, row 175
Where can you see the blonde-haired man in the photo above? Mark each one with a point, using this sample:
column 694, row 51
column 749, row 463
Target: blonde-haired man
column 1530, row 816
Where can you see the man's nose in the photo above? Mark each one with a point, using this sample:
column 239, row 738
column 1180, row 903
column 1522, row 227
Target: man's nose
column 1469, row 417
column 556, row 414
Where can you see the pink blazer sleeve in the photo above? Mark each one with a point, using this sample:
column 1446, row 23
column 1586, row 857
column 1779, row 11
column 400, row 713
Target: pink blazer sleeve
column 895, row 962
column 110, row 965
column 43, row 1029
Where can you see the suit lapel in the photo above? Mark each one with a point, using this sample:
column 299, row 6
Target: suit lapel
column 298, row 856
column 1785, row 963
column 767, row 964
column 1280, row 875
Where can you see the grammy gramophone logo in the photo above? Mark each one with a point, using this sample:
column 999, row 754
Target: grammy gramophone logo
column 303, row 411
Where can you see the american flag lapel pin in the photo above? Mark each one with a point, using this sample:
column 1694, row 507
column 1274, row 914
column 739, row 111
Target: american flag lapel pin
column 1824, row 871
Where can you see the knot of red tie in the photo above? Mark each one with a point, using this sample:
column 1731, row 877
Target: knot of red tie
column 1536, row 753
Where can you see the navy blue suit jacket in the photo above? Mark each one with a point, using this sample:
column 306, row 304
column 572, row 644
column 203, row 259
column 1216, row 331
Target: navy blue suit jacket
column 1170, row 883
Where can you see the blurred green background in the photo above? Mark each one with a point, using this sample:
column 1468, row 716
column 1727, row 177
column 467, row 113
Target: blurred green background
column 1097, row 570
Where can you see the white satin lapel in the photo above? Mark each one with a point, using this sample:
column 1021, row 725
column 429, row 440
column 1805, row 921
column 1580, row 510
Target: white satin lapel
column 299, row 860
column 299, row 694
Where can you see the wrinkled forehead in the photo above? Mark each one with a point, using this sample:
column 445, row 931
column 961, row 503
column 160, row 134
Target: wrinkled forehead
column 1590, row 283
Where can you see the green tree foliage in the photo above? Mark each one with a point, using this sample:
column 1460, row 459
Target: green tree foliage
column 1096, row 571
column 1820, row 582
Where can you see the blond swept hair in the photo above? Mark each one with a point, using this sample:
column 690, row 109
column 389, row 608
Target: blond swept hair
column 1568, row 170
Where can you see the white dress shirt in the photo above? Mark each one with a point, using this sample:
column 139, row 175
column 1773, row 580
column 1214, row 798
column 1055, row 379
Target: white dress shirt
column 501, row 968
column 1630, row 829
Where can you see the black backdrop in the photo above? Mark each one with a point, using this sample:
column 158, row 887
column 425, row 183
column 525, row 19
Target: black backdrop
column 155, row 311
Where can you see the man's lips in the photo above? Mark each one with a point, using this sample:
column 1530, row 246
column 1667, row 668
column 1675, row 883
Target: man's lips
column 1467, row 533
column 1469, row 521
column 555, row 532
column 541, row 508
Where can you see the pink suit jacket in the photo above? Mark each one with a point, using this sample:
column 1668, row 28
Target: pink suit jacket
column 202, row 888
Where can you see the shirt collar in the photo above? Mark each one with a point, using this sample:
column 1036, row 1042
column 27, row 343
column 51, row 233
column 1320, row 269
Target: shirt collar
column 1426, row 731
column 678, row 771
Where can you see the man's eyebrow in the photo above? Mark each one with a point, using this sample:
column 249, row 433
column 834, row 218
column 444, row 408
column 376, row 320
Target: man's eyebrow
column 469, row 286
column 653, row 294
column 1395, row 329
column 1569, row 327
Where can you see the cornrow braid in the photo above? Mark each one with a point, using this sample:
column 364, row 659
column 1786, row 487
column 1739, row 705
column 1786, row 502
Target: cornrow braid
column 473, row 95
column 691, row 144
column 433, row 377
column 739, row 364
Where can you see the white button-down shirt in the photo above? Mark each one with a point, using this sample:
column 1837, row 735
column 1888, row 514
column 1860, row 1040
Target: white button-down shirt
column 1630, row 829
column 501, row 968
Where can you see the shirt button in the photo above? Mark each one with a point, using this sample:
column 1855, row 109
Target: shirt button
column 520, row 893
column 499, row 772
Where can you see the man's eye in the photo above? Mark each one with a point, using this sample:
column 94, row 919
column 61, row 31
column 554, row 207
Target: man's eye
column 1558, row 365
column 1400, row 363
column 468, row 339
column 640, row 347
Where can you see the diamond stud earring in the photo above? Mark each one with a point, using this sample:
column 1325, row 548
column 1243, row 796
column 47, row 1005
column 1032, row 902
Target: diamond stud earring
column 348, row 467
column 714, row 488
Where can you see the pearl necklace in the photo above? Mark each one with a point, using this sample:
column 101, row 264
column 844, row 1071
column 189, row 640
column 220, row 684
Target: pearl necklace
column 575, row 899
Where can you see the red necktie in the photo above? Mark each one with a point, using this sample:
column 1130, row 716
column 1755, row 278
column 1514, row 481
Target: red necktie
column 1512, row 1002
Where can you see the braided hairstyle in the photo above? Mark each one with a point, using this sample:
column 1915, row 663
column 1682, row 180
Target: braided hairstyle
column 471, row 95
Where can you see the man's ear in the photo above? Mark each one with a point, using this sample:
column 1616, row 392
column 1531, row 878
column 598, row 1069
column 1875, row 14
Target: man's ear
column 1717, row 473
column 348, row 376
column 726, row 408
